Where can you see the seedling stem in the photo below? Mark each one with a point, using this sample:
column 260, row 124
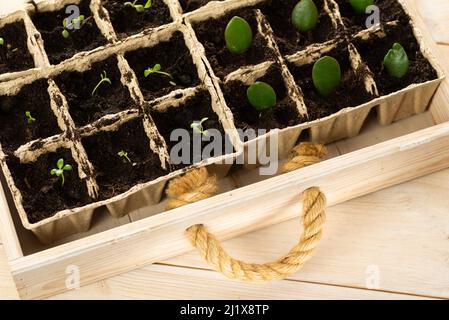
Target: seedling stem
column 29, row 117
column 59, row 171
column 104, row 78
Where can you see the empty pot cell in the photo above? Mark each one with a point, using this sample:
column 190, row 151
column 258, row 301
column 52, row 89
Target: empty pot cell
column 58, row 47
column 127, row 20
column 350, row 93
column 17, row 127
column 85, row 105
column 211, row 34
column 283, row 115
column 389, row 10
column 288, row 37
column 193, row 110
column 122, row 159
column 191, row 5
column 44, row 194
column 14, row 54
column 374, row 50
column 176, row 62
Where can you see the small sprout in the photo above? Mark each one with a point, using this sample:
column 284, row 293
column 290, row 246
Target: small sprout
column 158, row 69
column 124, row 155
column 2, row 41
column 30, row 118
column 238, row 35
column 396, row 61
column 69, row 26
column 261, row 96
column 104, row 78
column 359, row 6
column 59, row 172
column 326, row 75
column 139, row 8
column 197, row 126
column 305, row 15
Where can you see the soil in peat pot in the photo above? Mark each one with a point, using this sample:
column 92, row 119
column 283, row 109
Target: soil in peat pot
column 390, row 10
column 174, row 58
column 350, row 93
column 191, row 5
column 211, row 34
column 127, row 21
column 374, row 49
column 14, row 127
column 290, row 39
column 14, row 54
column 194, row 109
column 115, row 174
column 58, row 48
column 43, row 194
column 283, row 115
column 107, row 99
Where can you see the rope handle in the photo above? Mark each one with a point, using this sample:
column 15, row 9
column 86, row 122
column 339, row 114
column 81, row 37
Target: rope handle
column 198, row 185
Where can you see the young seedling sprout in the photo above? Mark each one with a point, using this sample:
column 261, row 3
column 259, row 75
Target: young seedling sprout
column 396, row 61
column 261, row 96
column 124, row 155
column 158, row 70
column 2, row 41
column 71, row 25
column 139, row 7
column 60, row 169
column 326, row 75
column 360, row 6
column 238, row 35
column 197, row 126
column 305, row 15
column 104, row 79
column 29, row 117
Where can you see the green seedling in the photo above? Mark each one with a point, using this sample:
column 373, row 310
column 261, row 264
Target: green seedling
column 359, row 6
column 60, row 169
column 139, row 8
column 326, row 75
column 104, row 79
column 124, row 155
column 67, row 26
column 29, row 117
column 261, row 96
column 157, row 69
column 305, row 15
column 197, row 126
column 396, row 61
column 2, row 41
column 238, row 35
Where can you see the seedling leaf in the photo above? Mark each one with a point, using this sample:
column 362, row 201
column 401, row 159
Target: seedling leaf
column 148, row 4
column 29, row 117
column 157, row 69
column 359, row 6
column 2, row 41
column 238, row 35
column 261, row 96
column 138, row 7
column 104, row 79
column 326, row 75
column 59, row 172
column 197, row 126
column 396, row 61
column 305, row 15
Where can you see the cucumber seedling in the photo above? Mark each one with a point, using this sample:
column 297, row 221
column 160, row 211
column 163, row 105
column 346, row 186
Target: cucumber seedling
column 68, row 26
column 2, row 41
column 360, row 6
column 396, row 62
column 238, row 35
column 305, row 15
column 326, row 75
column 60, row 169
column 157, row 69
column 29, row 117
column 261, row 96
column 124, row 155
column 104, row 79
column 138, row 7
column 197, row 126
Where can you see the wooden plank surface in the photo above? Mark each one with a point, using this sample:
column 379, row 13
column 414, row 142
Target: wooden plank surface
column 388, row 245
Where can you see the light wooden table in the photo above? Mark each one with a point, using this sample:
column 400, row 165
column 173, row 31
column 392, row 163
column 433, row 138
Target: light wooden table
column 391, row 244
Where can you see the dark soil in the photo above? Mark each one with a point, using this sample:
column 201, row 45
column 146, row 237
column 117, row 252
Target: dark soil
column 174, row 57
column 126, row 20
column 284, row 114
column 116, row 175
column 390, row 10
column 350, row 93
column 14, row 128
column 191, row 5
column 58, row 48
column 14, row 54
column 290, row 39
column 43, row 195
column 375, row 49
column 194, row 109
column 108, row 99
column 211, row 34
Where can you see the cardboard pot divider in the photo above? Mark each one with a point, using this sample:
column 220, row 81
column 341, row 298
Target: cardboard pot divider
column 345, row 123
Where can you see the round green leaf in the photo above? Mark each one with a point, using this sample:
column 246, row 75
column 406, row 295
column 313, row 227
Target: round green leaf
column 326, row 75
column 396, row 61
column 360, row 6
column 238, row 35
column 261, row 96
column 65, row 33
column 305, row 15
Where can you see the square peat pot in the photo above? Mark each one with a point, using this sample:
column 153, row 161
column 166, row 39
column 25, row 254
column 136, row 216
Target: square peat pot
column 92, row 107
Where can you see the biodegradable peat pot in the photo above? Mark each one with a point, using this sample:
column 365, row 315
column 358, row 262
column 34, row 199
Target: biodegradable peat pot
column 137, row 114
